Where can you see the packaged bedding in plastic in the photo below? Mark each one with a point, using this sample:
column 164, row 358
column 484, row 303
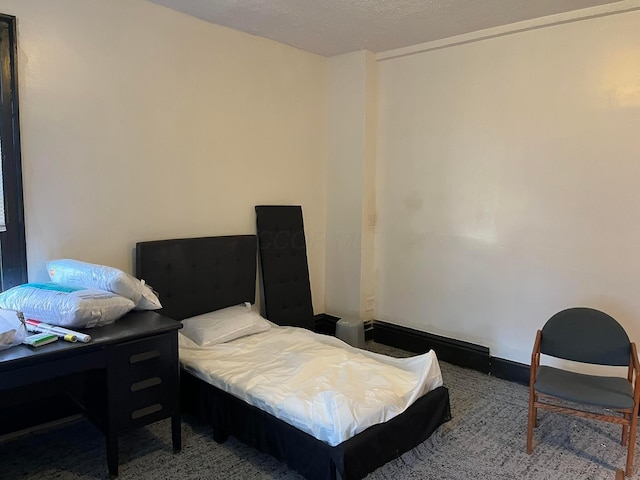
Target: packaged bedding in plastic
column 90, row 275
column 65, row 305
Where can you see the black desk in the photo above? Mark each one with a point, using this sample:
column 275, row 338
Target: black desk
column 129, row 374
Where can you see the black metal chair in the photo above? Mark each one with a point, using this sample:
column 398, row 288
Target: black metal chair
column 588, row 336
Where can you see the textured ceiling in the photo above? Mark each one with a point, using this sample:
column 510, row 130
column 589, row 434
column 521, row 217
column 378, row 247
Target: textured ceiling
column 333, row 27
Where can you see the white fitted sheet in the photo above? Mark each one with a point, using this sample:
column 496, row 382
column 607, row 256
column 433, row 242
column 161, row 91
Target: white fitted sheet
column 317, row 383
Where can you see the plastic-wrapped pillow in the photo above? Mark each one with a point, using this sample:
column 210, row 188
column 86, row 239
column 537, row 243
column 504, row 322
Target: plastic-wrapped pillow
column 64, row 305
column 149, row 299
column 90, row 275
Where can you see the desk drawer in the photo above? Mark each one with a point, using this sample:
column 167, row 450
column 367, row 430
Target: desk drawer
column 147, row 355
column 46, row 371
column 144, row 379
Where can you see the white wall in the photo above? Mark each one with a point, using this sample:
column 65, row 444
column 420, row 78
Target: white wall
column 509, row 183
column 142, row 123
column 507, row 177
column 350, row 278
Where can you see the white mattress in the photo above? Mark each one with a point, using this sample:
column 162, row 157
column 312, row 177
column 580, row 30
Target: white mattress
column 314, row 382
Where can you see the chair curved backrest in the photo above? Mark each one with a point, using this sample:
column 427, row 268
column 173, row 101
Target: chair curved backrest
column 586, row 335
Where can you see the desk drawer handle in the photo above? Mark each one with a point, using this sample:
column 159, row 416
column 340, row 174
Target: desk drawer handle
column 149, row 382
column 156, row 407
column 141, row 357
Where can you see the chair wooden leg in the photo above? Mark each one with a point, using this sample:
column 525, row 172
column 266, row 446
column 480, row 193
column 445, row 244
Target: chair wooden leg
column 532, row 421
column 625, row 430
column 632, row 444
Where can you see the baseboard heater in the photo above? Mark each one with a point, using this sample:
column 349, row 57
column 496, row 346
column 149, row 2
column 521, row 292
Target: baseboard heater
column 456, row 352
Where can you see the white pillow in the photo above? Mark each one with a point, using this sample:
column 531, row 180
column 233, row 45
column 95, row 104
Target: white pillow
column 67, row 271
column 224, row 325
column 66, row 306
column 149, row 300
column 91, row 275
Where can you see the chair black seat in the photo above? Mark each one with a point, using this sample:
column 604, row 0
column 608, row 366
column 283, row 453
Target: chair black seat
column 608, row 392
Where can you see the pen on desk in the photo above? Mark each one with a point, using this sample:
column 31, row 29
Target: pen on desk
column 43, row 329
column 65, row 334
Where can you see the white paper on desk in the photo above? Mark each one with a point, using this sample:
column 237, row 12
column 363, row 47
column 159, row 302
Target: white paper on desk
column 12, row 329
column 6, row 338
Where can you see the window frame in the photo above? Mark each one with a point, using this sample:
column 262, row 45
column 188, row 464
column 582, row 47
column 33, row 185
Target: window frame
column 13, row 250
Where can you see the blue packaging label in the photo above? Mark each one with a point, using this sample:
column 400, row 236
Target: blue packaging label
column 57, row 287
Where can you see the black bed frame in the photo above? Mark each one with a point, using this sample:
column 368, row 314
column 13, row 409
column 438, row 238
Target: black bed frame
column 198, row 275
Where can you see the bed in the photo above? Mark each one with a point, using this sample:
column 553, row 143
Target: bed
column 198, row 275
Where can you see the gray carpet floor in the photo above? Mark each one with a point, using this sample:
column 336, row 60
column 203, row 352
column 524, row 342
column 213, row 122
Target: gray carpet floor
column 484, row 440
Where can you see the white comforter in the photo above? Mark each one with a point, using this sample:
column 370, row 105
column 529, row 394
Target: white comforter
column 316, row 383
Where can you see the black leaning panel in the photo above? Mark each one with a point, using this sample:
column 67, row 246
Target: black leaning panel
column 285, row 271
column 198, row 275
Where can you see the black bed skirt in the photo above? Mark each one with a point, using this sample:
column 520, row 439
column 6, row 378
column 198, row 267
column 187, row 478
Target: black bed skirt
column 351, row 460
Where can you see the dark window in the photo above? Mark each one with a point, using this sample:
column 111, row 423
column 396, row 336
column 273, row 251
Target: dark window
column 13, row 251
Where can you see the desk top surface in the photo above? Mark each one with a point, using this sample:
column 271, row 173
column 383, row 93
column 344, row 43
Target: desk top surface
column 134, row 325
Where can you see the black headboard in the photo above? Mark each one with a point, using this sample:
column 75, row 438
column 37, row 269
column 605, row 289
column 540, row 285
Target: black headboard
column 198, row 275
